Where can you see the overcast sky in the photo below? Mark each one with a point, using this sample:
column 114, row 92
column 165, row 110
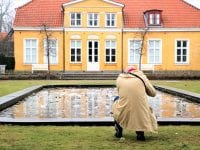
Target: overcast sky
column 193, row 2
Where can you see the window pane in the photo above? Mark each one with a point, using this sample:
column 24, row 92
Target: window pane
column 78, row 44
column 28, row 43
column 178, row 43
column 107, row 51
column 78, row 58
column 78, row 22
column 107, row 59
column 113, row 43
column 184, row 52
column 72, row 51
column 113, row 51
column 184, row 43
column 90, row 58
column 78, row 51
column 184, row 58
column 178, row 58
column 72, row 58
column 73, row 16
column 96, row 58
column 72, row 44
column 113, row 59
column 78, row 16
column 178, row 51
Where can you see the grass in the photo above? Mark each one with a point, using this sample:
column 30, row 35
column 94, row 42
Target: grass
column 94, row 138
column 188, row 85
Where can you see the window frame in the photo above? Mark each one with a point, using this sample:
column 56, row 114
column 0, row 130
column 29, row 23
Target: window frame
column 110, row 51
column 45, row 57
column 75, row 55
column 187, row 50
column 115, row 20
column 148, row 52
column 75, row 25
column 93, row 20
column 25, row 52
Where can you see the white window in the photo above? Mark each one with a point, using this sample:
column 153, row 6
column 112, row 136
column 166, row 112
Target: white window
column 182, row 51
column 110, row 20
column 93, row 20
column 154, row 51
column 110, row 51
column 134, row 51
column 75, row 51
column 51, row 49
column 154, row 19
column 75, row 19
column 30, row 51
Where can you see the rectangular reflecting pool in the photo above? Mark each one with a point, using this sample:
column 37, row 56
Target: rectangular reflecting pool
column 92, row 102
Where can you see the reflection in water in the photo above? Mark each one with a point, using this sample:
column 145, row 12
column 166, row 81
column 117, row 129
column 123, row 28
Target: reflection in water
column 92, row 103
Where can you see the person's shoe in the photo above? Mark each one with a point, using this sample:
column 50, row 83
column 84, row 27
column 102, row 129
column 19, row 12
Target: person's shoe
column 118, row 134
column 140, row 137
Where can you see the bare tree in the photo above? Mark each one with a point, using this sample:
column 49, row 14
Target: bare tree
column 49, row 46
column 6, row 15
column 141, row 49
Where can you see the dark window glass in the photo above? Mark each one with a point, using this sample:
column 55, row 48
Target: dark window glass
column 178, row 58
column 113, row 58
column 72, row 58
column 178, row 51
column 184, row 52
column 107, row 59
column 184, row 59
column 96, row 58
column 178, row 43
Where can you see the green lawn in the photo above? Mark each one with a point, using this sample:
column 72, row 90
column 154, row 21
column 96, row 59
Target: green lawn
column 93, row 138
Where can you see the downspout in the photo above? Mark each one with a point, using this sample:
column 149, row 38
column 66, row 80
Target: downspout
column 122, row 41
column 63, row 32
column 63, row 49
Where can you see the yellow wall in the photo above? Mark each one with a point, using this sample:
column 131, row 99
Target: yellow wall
column 20, row 36
column 168, row 49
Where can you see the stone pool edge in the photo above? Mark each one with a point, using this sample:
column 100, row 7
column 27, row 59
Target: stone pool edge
column 13, row 98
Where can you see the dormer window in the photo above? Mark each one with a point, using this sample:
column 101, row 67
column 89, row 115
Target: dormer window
column 153, row 17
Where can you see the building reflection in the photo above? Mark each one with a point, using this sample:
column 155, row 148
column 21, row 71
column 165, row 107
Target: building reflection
column 92, row 103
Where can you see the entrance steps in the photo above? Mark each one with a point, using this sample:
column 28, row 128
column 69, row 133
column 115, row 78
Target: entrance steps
column 89, row 75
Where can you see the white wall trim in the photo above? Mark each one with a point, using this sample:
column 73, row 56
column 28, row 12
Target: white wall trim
column 160, row 29
column 107, row 1
column 37, row 29
column 94, row 29
column 72, row 2
column 108, row 29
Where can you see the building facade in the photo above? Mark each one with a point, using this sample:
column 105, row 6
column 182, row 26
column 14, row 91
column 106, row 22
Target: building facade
column 107, row 35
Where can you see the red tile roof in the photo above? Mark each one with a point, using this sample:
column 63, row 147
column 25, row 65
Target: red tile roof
column 175, row 13
column 39, row 12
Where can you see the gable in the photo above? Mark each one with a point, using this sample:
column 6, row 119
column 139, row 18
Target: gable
column 93, row 3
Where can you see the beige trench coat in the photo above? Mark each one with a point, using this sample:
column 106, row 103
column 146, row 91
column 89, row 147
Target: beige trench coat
column 132, row 110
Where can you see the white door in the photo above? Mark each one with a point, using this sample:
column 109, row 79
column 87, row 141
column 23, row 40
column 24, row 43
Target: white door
column 93, row 55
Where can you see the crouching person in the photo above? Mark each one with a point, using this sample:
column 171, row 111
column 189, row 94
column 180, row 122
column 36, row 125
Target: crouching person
column 131, row 110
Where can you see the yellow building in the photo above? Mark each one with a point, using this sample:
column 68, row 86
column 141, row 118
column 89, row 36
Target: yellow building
column 107, row 35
